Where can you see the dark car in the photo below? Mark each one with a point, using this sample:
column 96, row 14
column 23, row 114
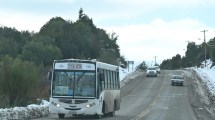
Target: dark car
column 177, row 80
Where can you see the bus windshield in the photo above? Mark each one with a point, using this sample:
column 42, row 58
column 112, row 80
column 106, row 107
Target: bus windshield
column 74, row 83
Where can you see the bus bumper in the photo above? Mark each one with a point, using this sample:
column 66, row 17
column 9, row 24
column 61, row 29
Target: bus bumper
column 85, row 109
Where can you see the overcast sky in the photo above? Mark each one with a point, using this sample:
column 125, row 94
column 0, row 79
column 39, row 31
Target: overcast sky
column 146, row 28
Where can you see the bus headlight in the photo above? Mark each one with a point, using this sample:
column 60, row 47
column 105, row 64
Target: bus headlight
column 55, row 104
column 91, row 105
column 58, row 105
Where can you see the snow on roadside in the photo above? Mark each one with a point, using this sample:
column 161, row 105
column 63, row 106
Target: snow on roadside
column 208, row 76
column 122, row 73
column 203, row 82
column 129, row 77
column 29, row 112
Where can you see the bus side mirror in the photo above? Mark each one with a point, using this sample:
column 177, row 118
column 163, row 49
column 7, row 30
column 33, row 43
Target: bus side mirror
column 101, row 76
column 49, row 76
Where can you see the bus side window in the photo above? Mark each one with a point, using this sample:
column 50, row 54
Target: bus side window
column 101, row 76
column 109, row 79
column 112, row 79
column 101, row 79
column 118, row 82
column 115, row 82
column 106, row 79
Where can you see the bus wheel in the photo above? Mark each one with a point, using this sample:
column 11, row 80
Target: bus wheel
column 103, row 108
column 98, row 116
column 114, row 108
column 112, row 113
column 61, row 116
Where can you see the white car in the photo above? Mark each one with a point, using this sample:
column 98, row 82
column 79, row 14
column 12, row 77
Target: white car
column 151, row 72
column 158, row 69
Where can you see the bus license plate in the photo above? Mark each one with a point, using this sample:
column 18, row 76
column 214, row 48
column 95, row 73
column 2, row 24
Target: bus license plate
column 72, row 112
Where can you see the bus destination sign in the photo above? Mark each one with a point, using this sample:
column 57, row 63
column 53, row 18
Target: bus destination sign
column 75, row 66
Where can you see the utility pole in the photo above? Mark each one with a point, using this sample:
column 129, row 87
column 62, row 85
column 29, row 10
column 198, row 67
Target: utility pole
column 155, row 60
column 205, row 45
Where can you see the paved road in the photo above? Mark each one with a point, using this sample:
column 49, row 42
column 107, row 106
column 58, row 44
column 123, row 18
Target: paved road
column 172, row 103
column 151, row 98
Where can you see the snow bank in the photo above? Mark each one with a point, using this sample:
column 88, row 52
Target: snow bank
column 208, row 76
column 29, row 112
column 122, row 73
column 129, row 76
column 203, row 82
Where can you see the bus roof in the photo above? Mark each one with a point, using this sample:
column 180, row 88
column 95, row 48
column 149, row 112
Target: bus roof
column 107, row 66
column 98, row 63
column 75, row 60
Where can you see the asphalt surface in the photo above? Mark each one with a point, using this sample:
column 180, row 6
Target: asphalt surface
column 150, row 98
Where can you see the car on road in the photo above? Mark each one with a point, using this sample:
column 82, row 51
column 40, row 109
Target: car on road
column 151, row 71
column 177, row 80
column 158, row 69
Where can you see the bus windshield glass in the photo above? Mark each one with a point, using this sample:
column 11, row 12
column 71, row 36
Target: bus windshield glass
column 74, row 83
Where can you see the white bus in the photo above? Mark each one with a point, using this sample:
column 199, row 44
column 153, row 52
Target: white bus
column 84, row 87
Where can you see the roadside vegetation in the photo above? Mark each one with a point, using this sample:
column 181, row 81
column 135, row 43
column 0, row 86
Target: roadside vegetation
column 142, row 66
column 194, row 56
column 26, row 57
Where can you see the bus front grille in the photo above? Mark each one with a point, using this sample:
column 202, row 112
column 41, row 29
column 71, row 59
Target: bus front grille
column 65, row 101
column 72, row 108
column 69, row 101
column 80, row 101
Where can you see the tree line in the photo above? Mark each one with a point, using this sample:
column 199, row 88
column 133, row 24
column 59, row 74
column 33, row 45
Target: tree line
column 25, row 57
column 194, row 56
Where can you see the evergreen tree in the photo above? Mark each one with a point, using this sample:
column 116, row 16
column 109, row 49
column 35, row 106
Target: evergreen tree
column 11, row 42
column 176, row 62
column 191, row 54
column 142, row 66
column 41, row 50
column 211, row 49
